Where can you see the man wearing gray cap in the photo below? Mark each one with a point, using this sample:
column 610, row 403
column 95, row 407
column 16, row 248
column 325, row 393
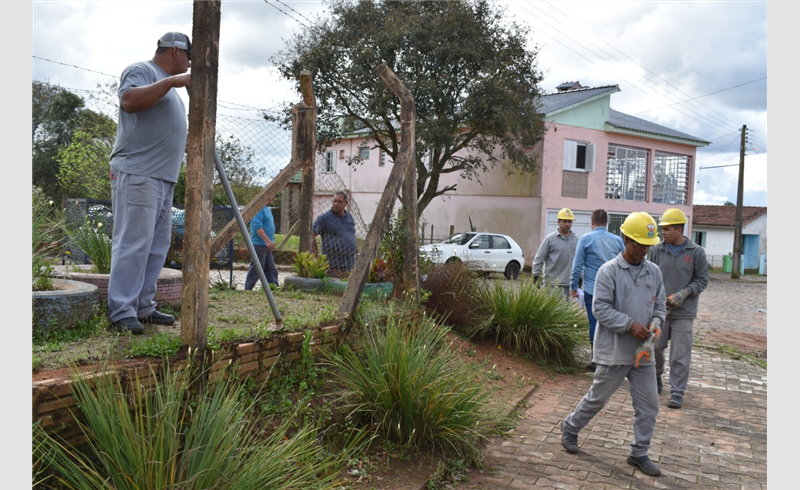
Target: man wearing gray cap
column 145, row 161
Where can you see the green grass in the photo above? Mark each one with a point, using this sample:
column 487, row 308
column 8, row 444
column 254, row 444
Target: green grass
column 170, row 437
column 404, row 382
column 532, row 318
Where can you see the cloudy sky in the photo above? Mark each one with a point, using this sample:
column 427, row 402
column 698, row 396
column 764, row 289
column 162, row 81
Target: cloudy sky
column 698, row 67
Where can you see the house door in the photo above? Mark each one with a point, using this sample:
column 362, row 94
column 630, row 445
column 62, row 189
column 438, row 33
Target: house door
column 750, row 251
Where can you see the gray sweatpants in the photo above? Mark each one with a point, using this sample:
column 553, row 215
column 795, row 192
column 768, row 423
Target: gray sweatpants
column 644, row 398
column 678, row 332
column 142, row 209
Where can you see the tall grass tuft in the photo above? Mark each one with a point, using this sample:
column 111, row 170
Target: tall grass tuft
column 95, row 241
column 533, row 318
column 168, row 437
column 405, row 383
column 45, row 232
column 454, row 293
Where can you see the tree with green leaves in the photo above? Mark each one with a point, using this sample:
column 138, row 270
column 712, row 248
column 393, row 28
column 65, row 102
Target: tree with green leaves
column 471, row 71
column 84, row 164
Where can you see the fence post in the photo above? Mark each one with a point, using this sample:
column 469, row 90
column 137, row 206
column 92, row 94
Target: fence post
column 200, row 174
column 304, row 145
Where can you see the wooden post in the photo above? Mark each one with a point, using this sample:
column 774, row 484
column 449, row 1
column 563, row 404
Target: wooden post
column 200, row 173
column 361, row 269
column 304, row 147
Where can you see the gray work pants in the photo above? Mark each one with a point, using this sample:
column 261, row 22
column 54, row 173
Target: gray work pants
column 678, row 332
column 142, row 209
column 644, row 398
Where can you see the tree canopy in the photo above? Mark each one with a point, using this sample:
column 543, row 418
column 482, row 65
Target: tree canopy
column 470, row 69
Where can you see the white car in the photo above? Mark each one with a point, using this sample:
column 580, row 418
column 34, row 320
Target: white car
column 485, row 252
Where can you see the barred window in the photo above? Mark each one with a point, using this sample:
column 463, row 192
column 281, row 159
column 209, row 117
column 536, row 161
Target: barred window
column 330, row 163
column 364, row 153
column 671, row 178
column 626, row 177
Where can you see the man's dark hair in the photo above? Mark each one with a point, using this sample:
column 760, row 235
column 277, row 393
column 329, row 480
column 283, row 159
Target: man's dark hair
column 343, row 194
column 600, row 217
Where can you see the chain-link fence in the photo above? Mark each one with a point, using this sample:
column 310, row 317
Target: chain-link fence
column 261, row 143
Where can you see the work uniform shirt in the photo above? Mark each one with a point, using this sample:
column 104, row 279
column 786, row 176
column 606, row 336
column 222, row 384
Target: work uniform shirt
column 688, row 269
column 556, row 254
column 594, row 249
column 623, row 294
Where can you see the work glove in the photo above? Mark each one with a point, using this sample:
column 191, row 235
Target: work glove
column 535, row 279
column 676, row 300
column 655, row 327
column 645, row 348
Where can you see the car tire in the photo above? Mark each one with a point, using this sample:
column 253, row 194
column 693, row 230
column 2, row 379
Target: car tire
column 512, row 271
column 453, row 260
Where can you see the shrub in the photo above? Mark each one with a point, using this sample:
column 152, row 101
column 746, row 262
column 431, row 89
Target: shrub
column 454, row 293
column 532, row 318
column 405, row 383
column 168, row 437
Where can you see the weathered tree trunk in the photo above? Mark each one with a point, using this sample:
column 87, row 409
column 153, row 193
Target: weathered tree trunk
column 304, row 146
column 200, row 173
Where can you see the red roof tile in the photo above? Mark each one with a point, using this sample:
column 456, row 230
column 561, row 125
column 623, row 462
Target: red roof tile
column 707, row 215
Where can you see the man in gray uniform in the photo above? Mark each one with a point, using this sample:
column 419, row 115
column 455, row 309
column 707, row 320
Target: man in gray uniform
column 145, row 161
column 556, row 253
column 630, row 305
column 685, row 269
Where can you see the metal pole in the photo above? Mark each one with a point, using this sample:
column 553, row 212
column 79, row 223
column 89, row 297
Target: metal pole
column 243, row 228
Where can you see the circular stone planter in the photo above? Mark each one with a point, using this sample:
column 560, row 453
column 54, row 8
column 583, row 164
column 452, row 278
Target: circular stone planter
column 304, row 283
column 372, row 290
column 70, row 303
column 169, row 288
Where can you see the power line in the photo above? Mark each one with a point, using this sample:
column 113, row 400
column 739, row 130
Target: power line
column 74, row 66
column 283, row 11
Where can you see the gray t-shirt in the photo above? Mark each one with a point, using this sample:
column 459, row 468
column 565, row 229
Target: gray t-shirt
column 151, row 142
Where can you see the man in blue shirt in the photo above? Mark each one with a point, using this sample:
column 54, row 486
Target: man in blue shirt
column 338, row 232
column 262, row 234
column 594, row 249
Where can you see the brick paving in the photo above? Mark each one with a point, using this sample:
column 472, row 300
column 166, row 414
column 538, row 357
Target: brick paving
column 717, row 440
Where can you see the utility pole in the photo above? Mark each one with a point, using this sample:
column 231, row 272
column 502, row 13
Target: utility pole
column 737, row 232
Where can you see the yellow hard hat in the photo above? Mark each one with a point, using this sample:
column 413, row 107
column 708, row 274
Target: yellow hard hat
column 566, row 214
column 672, row 216
column 641, row 228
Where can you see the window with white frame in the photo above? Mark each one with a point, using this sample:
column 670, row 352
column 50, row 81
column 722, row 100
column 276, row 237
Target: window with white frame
column 382, row 161
column 626, row 177
column 671, row 178
column 330, row 163
column 363, row 153
column 578, row 156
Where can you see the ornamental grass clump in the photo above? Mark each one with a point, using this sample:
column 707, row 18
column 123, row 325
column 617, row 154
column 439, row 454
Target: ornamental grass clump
column 168, row 436
column 404, row 382
column 532, row 318
column 94, row 240
column 45, row 228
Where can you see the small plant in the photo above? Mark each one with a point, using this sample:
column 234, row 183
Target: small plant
column 406, row 383
column 311, row 266
column 95, row 241
column 161, row 438
column 160, row 345
column 532, row 319
column 45, row 228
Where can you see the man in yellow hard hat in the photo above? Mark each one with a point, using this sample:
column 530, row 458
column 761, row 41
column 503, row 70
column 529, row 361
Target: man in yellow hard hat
column 684, row 267
column 630, row 305
column 556, row 253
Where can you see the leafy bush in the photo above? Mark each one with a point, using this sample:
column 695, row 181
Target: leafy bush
column 532, row 318
column 309, row 265
column 406, row 384
column 168, row 437
column 454, row 293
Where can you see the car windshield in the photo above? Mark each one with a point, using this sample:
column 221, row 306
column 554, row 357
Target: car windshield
column 459, row 238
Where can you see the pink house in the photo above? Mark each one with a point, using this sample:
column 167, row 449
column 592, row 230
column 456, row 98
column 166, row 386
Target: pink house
column 592, row 157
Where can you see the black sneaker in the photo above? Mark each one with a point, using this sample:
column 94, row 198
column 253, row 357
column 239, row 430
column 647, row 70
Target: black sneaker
column 660, row 384
column 569, row 441
column 675, row 401
column 159, row 318
column 644, row 464
column 129, row 324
